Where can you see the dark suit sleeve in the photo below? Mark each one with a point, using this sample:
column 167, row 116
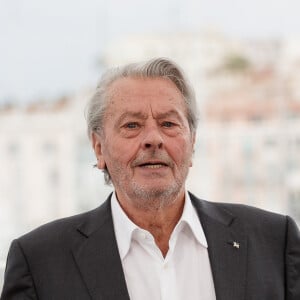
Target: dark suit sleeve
column 292, row 256
column 18, row 282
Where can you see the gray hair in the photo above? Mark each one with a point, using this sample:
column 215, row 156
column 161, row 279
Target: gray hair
column 154, row 68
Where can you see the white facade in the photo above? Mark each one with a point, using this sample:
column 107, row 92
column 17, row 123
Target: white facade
column 254, row 164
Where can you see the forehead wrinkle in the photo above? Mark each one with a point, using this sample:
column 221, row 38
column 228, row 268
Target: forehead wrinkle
column 167, row 114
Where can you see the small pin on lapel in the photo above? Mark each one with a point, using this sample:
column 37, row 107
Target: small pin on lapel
column 234, row 244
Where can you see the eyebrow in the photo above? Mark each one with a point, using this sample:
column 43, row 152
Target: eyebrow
column 170, row 113
column 131, row 114
column 143, row 116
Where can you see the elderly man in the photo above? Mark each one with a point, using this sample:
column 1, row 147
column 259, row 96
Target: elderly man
column 151, row 239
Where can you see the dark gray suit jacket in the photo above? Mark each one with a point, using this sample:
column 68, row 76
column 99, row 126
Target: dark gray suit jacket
column 77, row 257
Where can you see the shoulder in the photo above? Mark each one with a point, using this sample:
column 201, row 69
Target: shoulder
column 249, row 217
column 251, row 213
column 66, row 230
column 260, row 226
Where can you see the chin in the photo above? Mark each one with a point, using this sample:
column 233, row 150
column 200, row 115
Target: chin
column 161, row 193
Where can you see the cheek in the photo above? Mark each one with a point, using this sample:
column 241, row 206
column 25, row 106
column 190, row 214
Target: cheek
column 181, row 149
column 121, row 151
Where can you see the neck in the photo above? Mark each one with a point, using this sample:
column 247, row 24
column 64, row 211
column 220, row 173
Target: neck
column 160, row 222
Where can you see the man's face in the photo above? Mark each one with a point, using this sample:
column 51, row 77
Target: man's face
column 146, row 144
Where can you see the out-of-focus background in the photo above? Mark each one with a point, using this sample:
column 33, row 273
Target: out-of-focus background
column 242, row 56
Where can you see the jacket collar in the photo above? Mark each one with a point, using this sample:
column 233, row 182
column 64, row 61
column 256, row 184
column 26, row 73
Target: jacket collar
column 227, row 248
column 97, row 256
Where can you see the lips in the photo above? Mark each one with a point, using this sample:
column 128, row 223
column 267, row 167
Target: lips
column 155, row 161
column 153, row 165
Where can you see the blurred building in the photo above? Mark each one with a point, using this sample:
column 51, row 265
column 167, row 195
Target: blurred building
column 260, row 114
column 254, row 164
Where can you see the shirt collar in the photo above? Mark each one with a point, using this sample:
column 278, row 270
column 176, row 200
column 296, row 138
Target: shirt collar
column 191, row 218
column 124, row 227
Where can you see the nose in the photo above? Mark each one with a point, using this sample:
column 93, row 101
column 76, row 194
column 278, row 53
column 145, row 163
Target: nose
column 152, row 138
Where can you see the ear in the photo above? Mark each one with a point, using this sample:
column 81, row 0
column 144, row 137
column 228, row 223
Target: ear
column 193, row 147
column 97, row 146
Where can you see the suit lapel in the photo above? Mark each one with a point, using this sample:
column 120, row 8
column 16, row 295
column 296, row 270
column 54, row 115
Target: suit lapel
column 228, row 260
column 97, row 256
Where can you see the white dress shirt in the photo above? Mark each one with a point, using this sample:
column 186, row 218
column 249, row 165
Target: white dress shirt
column 183, row 274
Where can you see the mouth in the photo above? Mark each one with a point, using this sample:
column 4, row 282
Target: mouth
column 153, row 165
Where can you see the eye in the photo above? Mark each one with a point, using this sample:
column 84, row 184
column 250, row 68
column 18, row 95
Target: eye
column 168, row 124
column 131, row 125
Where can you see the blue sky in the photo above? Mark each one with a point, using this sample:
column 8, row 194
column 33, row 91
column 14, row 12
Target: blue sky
column 50, row 48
